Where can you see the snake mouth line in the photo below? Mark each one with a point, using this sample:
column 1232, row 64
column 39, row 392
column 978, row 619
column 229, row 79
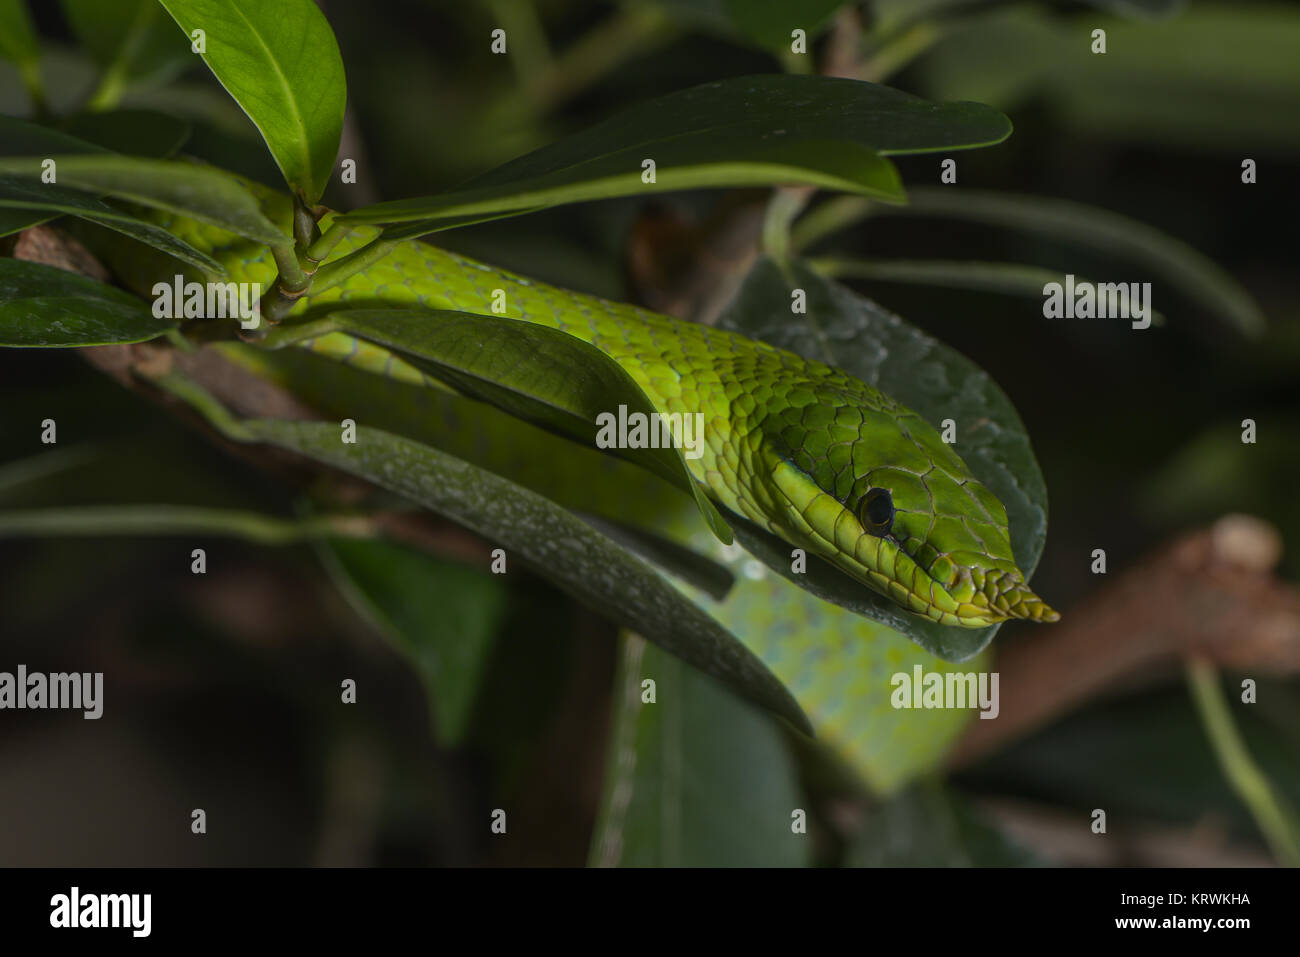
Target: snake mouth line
column 1002, row 593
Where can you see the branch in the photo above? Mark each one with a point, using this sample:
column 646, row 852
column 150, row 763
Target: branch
column 1210, row 596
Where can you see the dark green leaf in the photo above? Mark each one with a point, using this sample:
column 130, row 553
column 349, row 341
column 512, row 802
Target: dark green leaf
column 1016, row 279
column 282, row 65
column 199, row 192
column 856, row 335
column 743, row 131
column 132, row 37
column 22, row 194
column 16, row 220
column 769, row 23
column 132, row 132
column 21, row 138
column 695, row 779
column 536, row 373
column 137, row 131
column 1158, row 83
column 556, row 544
column 43, row 306
column 1111, row 234
column 442, row 615
column 17, row 38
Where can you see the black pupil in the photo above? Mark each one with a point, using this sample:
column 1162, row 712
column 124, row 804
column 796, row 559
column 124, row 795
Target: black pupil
column 880, row 508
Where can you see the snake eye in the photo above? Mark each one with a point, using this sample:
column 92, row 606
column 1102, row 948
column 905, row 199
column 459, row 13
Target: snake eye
column 877, row 511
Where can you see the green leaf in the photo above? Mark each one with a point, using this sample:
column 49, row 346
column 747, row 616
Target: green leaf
column 17, row 38
column 131, row 132
column 543, row 375
column 19, row 194
column 142, row 131
column 1118, row 237
column 281, row 63
column 769, row 23
column 18, row 44
column 16, row 220
column 695, row 779
column 744, row 131
column 556, row 544
column 21, row 138
column 199, row 192
column 1158, row 84
column 132, row 37
column 1015, row 279
column 443, row 616
column 46, row 307
column 852, row 333
column 1144, row 9
column 836, row 663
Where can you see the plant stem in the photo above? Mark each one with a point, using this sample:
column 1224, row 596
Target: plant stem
column 530, row 54
column 112, row 84
column 783, row 206
column 95, row 520
column 830, row 217
column 898, row 50
column 203, row 402
column 305, row 231
column 634, row 29
column 291, row 279
column 331, row 274
column 319, row 250
column 1274, row 818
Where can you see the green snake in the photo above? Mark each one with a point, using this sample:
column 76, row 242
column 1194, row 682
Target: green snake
column 817, row 457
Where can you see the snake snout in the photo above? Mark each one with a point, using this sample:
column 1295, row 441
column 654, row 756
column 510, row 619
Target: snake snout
column 1007, row 593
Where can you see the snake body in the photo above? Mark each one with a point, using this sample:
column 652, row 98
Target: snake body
column 819, row 458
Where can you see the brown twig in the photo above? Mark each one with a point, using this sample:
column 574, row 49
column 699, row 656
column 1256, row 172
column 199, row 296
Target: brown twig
column 1210, row 594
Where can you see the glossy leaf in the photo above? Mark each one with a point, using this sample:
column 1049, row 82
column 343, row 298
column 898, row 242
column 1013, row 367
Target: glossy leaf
column 200, row 192
column 846, row 330
column 540, row 374
column 281, row 63
column 695, row 779
column 42, row 306
column 744, row 131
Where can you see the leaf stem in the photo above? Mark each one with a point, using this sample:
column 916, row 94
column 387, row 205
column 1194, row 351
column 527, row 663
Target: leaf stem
column 830, row 217
column 783, row 206
column 112, row 83
column 333, row 273
column 95, row 520
column 291, row 279
column 318, row 251
column 898, row 50
column 1275, row 819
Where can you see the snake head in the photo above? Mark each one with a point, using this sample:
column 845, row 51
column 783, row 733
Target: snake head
column 870, row 485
